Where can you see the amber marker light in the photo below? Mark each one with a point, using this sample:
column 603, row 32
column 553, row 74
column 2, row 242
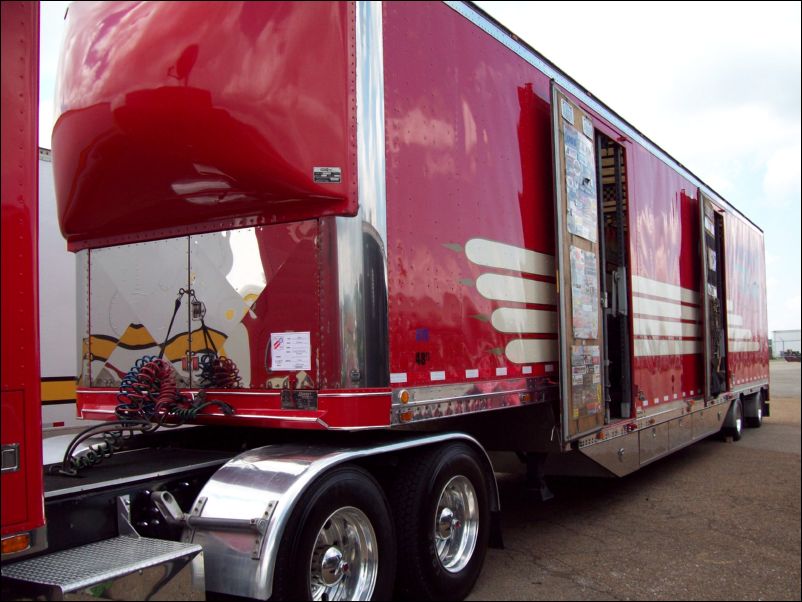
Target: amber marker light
column 16, row 543
column 404, row 396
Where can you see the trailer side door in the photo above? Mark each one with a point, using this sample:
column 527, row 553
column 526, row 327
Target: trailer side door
column 578, row 270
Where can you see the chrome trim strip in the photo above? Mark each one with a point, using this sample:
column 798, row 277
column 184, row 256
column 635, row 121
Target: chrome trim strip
column 368, row 394
column 362, row 240
column 567, row 83
column 424, row 402
column 371, row 158
column 458, row 390
column 280, row 475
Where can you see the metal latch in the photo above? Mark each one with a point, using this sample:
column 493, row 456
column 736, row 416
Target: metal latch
column 10, row 457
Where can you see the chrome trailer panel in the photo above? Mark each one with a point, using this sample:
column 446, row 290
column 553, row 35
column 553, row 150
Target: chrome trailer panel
column 623, row 450
column 362, row 240
column 265, row 484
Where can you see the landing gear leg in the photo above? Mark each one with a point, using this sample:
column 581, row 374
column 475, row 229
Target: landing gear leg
column 535, row 478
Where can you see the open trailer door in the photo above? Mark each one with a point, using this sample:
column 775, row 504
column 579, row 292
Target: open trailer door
column 714, row 313
column 578, row 273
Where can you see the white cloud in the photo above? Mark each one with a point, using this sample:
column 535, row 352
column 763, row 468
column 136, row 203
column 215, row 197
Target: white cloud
column 782, row 175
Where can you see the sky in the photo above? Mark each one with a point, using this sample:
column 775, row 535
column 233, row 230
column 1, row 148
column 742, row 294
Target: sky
column 717, row 85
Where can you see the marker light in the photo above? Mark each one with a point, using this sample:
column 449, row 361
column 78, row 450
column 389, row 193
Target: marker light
column 16, row 543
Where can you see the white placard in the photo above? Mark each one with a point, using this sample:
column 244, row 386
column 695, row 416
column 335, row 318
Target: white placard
column 290, row 351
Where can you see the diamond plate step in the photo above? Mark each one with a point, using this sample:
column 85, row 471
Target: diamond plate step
column 97, row 563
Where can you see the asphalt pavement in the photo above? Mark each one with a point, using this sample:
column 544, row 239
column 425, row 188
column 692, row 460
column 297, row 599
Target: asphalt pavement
column 714, row 521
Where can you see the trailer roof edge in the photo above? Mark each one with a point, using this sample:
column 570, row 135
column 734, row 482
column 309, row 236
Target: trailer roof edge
column 501, row 33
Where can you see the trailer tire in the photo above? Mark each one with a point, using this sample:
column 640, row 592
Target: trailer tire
column 733, row 423
column 754, row 419
column 314, row 558
column 441, row 507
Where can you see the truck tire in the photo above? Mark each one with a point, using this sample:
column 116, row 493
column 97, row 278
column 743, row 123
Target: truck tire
column 733, row 423
column 339, row 543
column 442, row 514
column 753, row 411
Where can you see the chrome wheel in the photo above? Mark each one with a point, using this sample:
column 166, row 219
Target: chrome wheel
column 345, row 557
column 456, row 524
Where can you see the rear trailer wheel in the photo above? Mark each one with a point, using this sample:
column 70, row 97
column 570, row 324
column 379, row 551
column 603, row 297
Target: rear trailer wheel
column 339, row 542
column 442, row 518
column 753, row 411
column 734, row 422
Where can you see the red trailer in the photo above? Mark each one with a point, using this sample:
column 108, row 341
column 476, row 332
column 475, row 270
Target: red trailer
column 22, row 510
column 388, row 238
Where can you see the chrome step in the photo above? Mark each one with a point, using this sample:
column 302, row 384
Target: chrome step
column 121, row 568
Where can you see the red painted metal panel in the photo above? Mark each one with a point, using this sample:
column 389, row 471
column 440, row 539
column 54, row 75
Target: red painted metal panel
column 468, row 157
column 664, row 248
column 22, row 507
column 747, row 319
column 337, row 408
column 181, row 117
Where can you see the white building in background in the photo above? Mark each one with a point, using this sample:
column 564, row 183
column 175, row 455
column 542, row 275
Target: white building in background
column 786, row 340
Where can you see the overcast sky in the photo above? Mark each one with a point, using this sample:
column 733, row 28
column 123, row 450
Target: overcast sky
column 717, row 85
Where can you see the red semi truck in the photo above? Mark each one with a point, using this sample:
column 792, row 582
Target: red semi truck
column 359, row 247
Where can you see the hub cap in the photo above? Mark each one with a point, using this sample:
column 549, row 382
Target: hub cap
column 345, row 557
column 456, row 524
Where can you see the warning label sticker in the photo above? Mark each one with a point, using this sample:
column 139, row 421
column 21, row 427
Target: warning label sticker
column 290, row 351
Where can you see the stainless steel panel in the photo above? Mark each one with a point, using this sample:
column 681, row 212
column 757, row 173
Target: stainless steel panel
column 132, row 294
column 83, row 376
column 273, row 478
column 708, row 421
column 227, row 275
column 653, row 442
column 361, row 241
column 714, row 417
column 680, row 432
column 619, row 455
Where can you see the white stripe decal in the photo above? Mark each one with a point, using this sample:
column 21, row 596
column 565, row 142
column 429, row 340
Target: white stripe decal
column 739, row 334
column 438, row 375
column 661, row 328
column 472, row 373
column 658, row 347
column 529, row 351
column 513, row 288
column 398, row 377
column 743, row 346
column 647, row 286
column 518, row 321
column 663, row 309
column 508, row 257
column 734, row 320
column 501, row 372
column 526, row 370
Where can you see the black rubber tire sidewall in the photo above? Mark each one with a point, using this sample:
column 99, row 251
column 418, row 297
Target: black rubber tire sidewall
column 433, row 581
column 347, row 486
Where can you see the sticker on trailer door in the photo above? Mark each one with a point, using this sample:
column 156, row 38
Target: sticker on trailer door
column 580, row 184
column 567, row 111
column 327, row 175
column 584, row 294
column 290, row 351
column 586, row 380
